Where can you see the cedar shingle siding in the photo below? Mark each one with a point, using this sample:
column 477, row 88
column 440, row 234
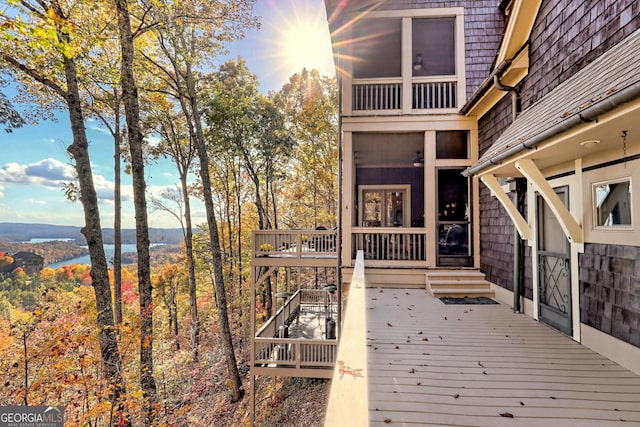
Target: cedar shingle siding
column 610, row 290
column 567, row 36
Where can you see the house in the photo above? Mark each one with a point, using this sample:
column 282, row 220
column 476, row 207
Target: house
column 498, row 138
column 488, row 147
column 30, row 262
column 559, row 145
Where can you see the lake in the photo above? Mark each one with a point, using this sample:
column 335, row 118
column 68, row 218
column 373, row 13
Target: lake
column 108, row 249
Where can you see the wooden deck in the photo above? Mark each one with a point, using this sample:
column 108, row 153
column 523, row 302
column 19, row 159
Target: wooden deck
column 481, row 365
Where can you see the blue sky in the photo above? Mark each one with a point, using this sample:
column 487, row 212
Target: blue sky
column 33, row 160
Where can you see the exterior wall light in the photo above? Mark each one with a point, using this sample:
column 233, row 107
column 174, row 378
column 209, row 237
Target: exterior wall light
column 418, row 161
column 590, row 143
column 417, row 64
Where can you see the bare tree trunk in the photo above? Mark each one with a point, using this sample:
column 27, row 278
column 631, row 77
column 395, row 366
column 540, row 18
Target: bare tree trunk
column 132, row 113
column 117, row 226
column 174, row 314
column 92, row 232
column 191, row 268
column 237, row 391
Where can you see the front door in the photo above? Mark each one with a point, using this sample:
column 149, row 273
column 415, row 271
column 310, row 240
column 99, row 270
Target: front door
column 453, row 218
column 554, row 272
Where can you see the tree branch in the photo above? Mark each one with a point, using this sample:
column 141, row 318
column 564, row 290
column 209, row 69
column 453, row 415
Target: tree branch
column 34, row 75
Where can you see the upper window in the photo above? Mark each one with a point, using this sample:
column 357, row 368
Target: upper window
column 452, row 144
column 433, row 46
column 612, row 203
column 377, row 45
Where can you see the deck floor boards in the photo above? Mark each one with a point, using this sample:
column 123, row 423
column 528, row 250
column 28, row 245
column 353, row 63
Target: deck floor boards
column 481, row 365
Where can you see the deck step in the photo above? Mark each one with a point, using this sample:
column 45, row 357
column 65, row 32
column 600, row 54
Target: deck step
column 391, row 277
column 458, row 283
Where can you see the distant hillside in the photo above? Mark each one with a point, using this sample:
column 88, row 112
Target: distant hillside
column 19, row 232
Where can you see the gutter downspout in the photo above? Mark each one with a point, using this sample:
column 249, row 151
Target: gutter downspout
column 519, row 195
column 515, row 96
column 484, row 86
column 339, row 239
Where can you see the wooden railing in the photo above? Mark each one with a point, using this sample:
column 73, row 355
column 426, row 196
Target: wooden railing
column 390, row 243
column 371, row 95
column 430, row 95
column 348, row 404
column 314, row 299
column 388, row 94
column 295, row 353
column 272, row 349
column 294, row 243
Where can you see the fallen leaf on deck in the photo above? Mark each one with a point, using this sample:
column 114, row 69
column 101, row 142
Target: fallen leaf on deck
column 506, row 415
column 455, row 396
column 387, row 421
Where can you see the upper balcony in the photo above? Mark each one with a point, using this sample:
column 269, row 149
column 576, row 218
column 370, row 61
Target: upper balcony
column 403, row 62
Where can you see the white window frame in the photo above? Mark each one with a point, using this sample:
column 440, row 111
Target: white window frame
column 406, row 202
column 594, row 204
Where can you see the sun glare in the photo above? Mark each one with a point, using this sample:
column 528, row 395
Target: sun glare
column 303, row 41
column 306, row 44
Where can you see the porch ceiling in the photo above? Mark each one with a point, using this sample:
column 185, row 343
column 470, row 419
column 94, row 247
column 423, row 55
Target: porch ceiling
column 565, row 148
column 386, row 149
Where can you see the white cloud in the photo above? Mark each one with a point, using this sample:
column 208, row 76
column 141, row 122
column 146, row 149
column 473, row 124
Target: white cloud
column 53, row 173
column 48, row 172
column 105, row 189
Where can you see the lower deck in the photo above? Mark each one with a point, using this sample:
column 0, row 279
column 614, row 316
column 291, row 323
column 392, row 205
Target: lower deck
column 430, row 363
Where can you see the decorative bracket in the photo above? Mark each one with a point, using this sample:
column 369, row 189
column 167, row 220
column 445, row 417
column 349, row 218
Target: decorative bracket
column 569, row 225
column 521, row 224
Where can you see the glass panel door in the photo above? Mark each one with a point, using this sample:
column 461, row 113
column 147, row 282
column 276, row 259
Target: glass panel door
column 453, row 218
column 385, row 207
column 554, row 267
column 372, row 204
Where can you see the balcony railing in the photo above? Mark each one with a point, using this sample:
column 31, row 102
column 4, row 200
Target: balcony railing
column 377, row 96
column 294, row 243
column 277, row 345
column 390, row 243
column 434, row 95
column 388, row 94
